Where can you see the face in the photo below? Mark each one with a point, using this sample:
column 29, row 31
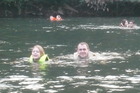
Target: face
column 36, row 53
column 82, row 51
column 126, row 22
column 131, row 23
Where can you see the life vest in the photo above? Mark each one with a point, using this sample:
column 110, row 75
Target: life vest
column 52, row 18
column 41, row 60
column 57, row 18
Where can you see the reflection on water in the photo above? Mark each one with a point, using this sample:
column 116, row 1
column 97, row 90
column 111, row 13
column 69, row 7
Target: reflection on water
column 114, row 69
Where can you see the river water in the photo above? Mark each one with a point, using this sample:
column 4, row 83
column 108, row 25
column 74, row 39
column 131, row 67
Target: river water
column 115, row 70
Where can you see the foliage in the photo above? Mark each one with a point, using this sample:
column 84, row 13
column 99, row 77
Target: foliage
column 15, row 8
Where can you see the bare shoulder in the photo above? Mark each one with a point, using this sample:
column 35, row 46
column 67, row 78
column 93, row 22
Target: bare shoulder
column 75, row 55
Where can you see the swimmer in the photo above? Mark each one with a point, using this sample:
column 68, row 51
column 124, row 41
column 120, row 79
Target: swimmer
column 38, row 55
column 58, row 18
column 52, row 18
column 124, row 23
column 131, row 24
column 83, row 52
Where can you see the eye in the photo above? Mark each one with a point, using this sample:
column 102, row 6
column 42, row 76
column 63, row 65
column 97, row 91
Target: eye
column 82, row 49
column 34, row 51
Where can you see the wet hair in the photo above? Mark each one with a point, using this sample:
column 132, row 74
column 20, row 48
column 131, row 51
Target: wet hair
column 83, row 43
column 123, row 21
column 41, row 50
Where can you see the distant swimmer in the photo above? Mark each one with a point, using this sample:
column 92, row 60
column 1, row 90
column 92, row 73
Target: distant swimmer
column 83, row 52
column 131, row 24
column 38, row 55
column 57, row 18
column 124, row 23
column 52, row 18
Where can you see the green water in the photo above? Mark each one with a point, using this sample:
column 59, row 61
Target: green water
column 115, row 71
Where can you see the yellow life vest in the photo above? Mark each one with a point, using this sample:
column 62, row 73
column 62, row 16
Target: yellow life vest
column 41, row 60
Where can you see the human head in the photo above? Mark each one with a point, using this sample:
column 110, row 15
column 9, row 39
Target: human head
column 131, row 22
column 124, row 22
column 37, row 52
column 83, row 50
column 52, row 18
column 58, row 17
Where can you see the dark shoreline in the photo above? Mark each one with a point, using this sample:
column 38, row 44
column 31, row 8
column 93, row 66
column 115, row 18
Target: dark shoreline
column 34, row 9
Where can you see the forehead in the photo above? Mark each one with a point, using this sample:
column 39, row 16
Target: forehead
column 35, row 48
column 82, row 46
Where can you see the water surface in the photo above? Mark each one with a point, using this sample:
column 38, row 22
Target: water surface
column 115, row 70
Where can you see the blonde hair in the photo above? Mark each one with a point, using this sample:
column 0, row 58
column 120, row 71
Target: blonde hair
column 41, row 50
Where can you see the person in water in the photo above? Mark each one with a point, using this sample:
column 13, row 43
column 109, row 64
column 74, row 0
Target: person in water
column 124, row 23
column 131, row 24
column 83, row 52
column 52, row 18
column 57, row 18
column 38, row 55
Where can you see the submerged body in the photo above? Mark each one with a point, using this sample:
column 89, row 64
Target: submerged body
column 83, row 52
column 38, row 56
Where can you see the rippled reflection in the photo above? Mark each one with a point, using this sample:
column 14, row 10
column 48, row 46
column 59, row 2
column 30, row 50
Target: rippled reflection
column 114, row 69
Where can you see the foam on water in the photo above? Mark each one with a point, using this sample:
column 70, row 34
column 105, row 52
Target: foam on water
column 98, row 56
column 89, row 27
column 105, row 27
